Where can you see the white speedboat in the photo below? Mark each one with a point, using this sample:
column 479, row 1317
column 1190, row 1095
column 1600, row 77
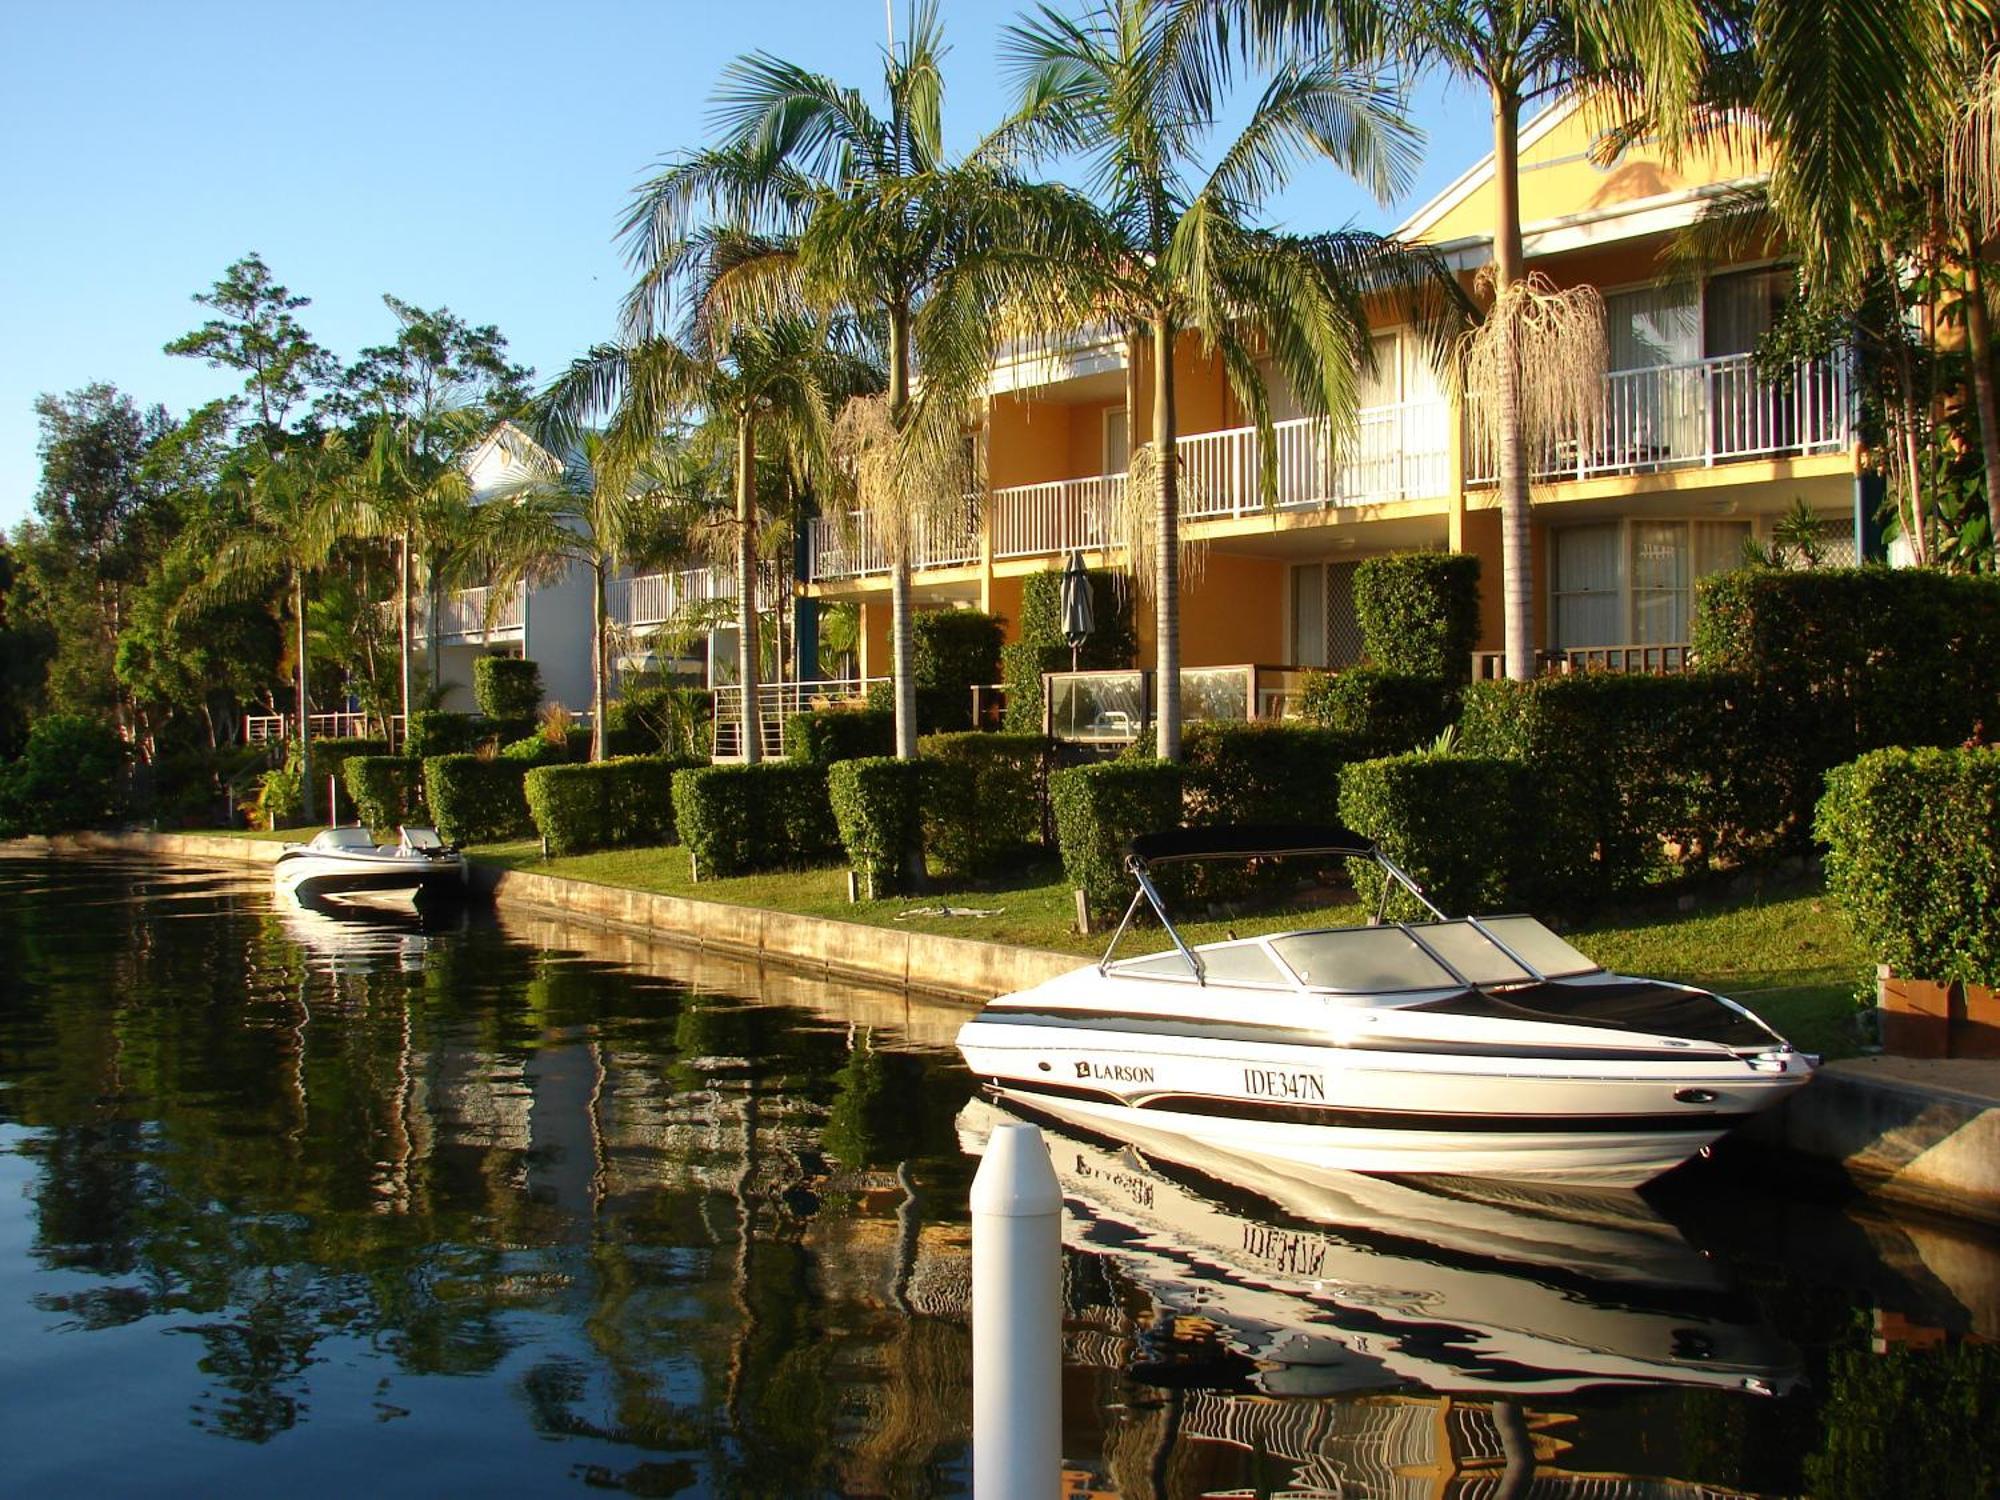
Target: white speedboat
column 340, row 860
column 1479, row 1047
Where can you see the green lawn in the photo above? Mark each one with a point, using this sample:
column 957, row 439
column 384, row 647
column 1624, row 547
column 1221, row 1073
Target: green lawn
column 1790, row 958
column 268, row 835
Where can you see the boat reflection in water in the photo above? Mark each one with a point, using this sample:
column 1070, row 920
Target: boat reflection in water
column 358, row 935
column 1330, row 1283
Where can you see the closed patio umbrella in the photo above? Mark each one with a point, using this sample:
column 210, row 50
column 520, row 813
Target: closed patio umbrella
column 1078, row 618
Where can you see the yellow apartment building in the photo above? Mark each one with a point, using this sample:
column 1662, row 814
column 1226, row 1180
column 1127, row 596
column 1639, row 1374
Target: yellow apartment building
column 1693, row 452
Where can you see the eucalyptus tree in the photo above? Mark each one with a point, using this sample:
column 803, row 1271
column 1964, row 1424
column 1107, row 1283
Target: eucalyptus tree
column 836, row 204
column 292, row 507
column 1171, row 242
column 256, row 332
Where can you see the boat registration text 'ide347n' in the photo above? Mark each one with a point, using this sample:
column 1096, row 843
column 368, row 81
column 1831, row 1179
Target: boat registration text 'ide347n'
column 1473, row 1046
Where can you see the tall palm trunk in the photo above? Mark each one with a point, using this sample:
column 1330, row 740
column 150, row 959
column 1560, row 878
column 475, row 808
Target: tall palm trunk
column 1167, row 565
column 1516, row 554
column 305, row 704
column 403, row 607
column 597, row 672
column 746, row 582
column 902, row 637
column 1979, row 349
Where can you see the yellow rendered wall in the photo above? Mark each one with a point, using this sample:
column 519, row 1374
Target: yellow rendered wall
column 1086, row 438
column 1006, row 603
column 1234, row 613
column 1482, row 539
column 876, row 656
column 1027, row 442
column 1201, row 391
column 1558, row 179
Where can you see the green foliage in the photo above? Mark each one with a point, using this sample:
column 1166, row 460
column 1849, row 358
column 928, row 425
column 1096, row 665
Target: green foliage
column 329, row 760
column 434, row 731
column 1619, row 766
column 607, row 804
column 986, row 800
column 387, row 790
column 537, row 750
column 278, row 797
column 878, row 808
column 736, row 819
column 956, row 650
column 658, row 719
column 1907, row 1421
column 822, row 736
column 1097, row 811
column 1913, row 856
column 1238, row 772
column 506, row 687
column 71, row 774
column 1383, row 713
column 1450, row 821
column 1419, row 612
column 474, row 800
column 1041, row 648
column 1848, row 660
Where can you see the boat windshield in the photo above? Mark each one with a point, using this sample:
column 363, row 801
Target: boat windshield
column 1362, row 960
column 1549, row 955
column 343, row 838
column 1476, row 957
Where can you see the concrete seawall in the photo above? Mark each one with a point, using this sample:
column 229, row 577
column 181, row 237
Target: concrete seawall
column 1919, row 1132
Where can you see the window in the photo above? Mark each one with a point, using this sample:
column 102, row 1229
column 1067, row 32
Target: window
column 1619, row 583
column 1471, row 952
column 1361, row 959
column 1326, row 632
column 1589, row 608
column 1554, row 958
column 1117, row 440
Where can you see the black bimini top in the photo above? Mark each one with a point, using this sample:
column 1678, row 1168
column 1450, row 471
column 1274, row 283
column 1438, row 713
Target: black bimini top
column 1247, row 841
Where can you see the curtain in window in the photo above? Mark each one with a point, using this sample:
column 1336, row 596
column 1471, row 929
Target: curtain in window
column 1659, row 582
column 1653, row 409
column 1586, row 587
column 1117, row 440
column 1749, row 416
column 1718, row 546
column 1309, row 615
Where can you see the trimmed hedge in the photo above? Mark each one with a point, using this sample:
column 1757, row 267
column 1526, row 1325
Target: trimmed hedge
column 1854, row 659
column 606, row 804
column 1618, row 767
column 1384, row 713
column 956, row 650
column 1450, row 821
column 387, row 790
column 1098, row 809
column 436, row 731
column 1913, row 857
column 986, row 798
column 1419, row 612
column 878, row 807
column 475, row 800
column 506, row 687
column 1041, row 647
column 1240, row 772
column 657, row 720
column 821, row 736
column 330, row 758
column 735, row 819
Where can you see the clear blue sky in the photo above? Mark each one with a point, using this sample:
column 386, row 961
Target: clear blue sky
column 470, row 155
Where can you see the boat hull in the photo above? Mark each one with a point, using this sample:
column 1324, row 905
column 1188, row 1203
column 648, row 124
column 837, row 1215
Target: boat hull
column 1596, row 1119
column 323, row 875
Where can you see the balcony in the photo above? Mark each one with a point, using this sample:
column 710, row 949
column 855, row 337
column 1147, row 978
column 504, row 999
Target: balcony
column 463, row 617
column 1703, row 412
column 847, row 546
column 1663, row 659
column 650, row 600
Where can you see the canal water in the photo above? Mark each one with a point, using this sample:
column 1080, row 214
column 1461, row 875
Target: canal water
column 302, row 1203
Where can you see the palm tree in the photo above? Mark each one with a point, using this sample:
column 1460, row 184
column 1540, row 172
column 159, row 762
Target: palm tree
column 772, row 382
column 1134, row 89
column 598, row 506
column 295, row 509
column 832, row 205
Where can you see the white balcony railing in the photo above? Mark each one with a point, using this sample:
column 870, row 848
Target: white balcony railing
column 1702, row 412
column 1031, row 520
column 1397, row 452
column 847, row 546
column 653, row 599
column 462, row 616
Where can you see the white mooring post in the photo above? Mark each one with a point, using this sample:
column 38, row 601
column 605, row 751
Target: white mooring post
column 1016, row 1319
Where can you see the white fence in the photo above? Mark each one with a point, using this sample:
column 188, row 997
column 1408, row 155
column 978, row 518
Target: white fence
column 776, row 702
column 462, row 615
column 655, row 598
column 1701, row 412
column 258, row 728
column 847, row 546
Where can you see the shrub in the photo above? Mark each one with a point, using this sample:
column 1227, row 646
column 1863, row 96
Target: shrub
column 1913, row 857
column 735, row 819
column 71, row 774
column 1450, row 821
column 536, row 750
column 329, row 759
column 1419, row 612
column 434, row 731
column 878, row 807
column 1237, row 772
column 955, row 650
column 1383, row 713
column 654, row 720
column 986, row 798
column 1854, row 659
column 822, row 736
column 278, row 796
column 1097, row 811
column 1041, row 648
column 1620, row 766
column 387, row 790
column 606, row 804
column 474, row 800
column 1022, row 664
column 507, row 688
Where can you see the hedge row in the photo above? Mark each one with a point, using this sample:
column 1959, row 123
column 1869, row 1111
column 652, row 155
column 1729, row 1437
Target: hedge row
column 986, row 798
column 1237, row 772
column 1382, row 713
column 1451, row 822
column 506, row 687
column 387, row 790
column 607, row 804
column 955, row 650
column 1419, row 613
column 329, row 758
column 475, row 800
column 822, row 736
column 1913, row 856
column 1097, row 811
column 735, row 819
column 437, row 731
column 877, row 804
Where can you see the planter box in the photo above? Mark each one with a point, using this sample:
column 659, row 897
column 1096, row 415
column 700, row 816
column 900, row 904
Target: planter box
column 1922, row 1018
